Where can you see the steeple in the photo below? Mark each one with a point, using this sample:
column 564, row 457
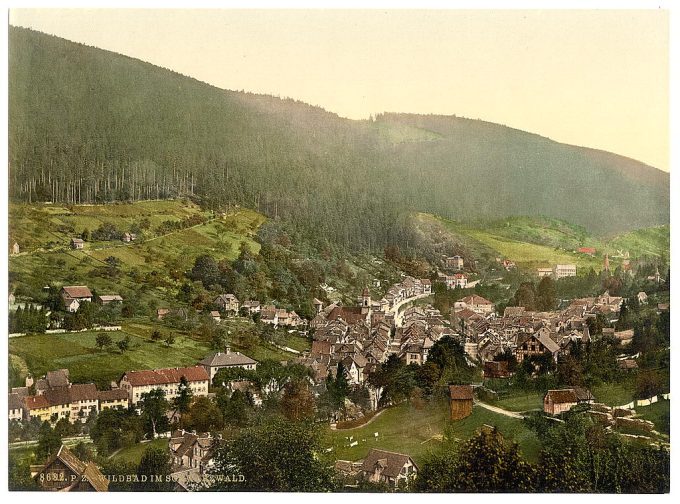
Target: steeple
column 606, row 262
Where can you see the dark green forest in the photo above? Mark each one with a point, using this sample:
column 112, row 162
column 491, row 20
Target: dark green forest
column 88, row 125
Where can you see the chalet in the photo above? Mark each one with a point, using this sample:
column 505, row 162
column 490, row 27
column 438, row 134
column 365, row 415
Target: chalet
column 116, row 398
column 190, row 450
column 77, row 244
column 460, row 401
column 381, row 466
column 64, row 472
column 136, row 383
column 556, row 402
column 105, row 299
column 454, row 263
column 227, row 303
column 227, row 359
column 538, row 343
column 79, row 293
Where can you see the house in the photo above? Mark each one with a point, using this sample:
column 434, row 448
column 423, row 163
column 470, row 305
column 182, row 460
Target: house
column 587, row 250
column 227, row 303
column 77, row 244
column 136, row 383
column 64, row 472
column 215, row 316
column 565, row 270
column 454, row 263
column 381, row 466
column 558, row 401
column 129, row 237
column 112, row 399
column 318, row 305
column 227, row 359
column 190, row 450
column 544, row 272
column 83, row 399
column 251, row 307
column 476, row 303
column 460, row 401
column 37, row 407
column 538, row 343
column 457, row 280
column 79, row 293
column 15, row 407
column 15, row 248
column 105, row 299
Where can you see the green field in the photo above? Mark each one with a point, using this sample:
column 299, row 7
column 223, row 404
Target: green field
column 659, row 413
column 133, row 454
column 613, row 394
column 521, row 402
column 415, row 432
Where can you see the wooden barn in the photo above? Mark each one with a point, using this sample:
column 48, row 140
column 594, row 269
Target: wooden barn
column 460, row 401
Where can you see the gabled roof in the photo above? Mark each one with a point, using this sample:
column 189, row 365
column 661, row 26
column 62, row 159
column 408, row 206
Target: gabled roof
column 118, row 394
column 83, row 392
column 391, row 462
column 89, row 471
column 476, row 300
column 36, row 402
column 58, row 378
column 165, row 376
column 14, row 401
column 460, row 392
column 227, row 359
column 77, row 291
column 562, row 396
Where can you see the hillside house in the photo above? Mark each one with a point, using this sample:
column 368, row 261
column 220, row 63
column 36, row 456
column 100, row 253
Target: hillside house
column 215, row 315
column 136, row 383
column 79, row 293
column 556, row 402
column 476, row 303
column 381, row 466
column 64, row 472
column 459, row 280
column 544, row 272
column 454, row 263
column 460, row 401
column 587, row 250
column 190, row 450
column 251, row 307
column 227, row 302
column 565, row 270
column 77, row 244
column 129, row 237
column 105, row 299
column 227, row 359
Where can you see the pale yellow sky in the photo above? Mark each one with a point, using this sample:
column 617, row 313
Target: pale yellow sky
column 592, row 78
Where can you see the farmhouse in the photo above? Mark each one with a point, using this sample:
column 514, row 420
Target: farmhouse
column 64, row 472
column 381, row 466
column 460, row 401
column 77, row 244
column 454, row 263
column 136, row 383
column 105, row 299
column 79, row 293
column 559, row 401
column 227, row 359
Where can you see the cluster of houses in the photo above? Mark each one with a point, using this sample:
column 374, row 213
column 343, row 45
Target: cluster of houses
column 74, row 296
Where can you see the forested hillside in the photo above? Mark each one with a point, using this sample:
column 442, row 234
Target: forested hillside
column 88, row 125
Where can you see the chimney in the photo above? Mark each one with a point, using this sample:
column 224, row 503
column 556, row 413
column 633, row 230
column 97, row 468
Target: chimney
column 227, row 350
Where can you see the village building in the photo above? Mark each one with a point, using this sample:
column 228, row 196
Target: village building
column 529, row 345
column 544, row 272
column 137, row 383
column 381, row 466
column 78, row 293
column 459, row 280
column 227, row 359
column 476, row 303
column 251, row 307
column 77, row 244
column 15, row 407
column 64, row 472
column 215, row 315
column 116, row 398
column 190, row 450
column 460, row 401
column 558, row 401
column 454, row 263
column 105, row 299
column 227, row 303
column 565, row 270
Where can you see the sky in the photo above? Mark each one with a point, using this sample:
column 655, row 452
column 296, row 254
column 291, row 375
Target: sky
column 596, row 78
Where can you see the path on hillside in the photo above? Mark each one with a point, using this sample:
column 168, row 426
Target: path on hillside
column 362, row 425
column 500, row 411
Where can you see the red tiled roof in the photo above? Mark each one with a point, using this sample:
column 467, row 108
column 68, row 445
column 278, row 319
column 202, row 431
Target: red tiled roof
column 165, row 376
column 77, row 291
column 36, row 402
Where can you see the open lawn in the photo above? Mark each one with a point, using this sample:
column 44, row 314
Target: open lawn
column 416, row 432
column 613, row 394
column 78, row 353
column 659, row 413
column 133, row 454
column 521, row 402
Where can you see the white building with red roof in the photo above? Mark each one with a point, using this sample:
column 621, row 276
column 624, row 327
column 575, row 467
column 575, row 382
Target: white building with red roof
column 137, row 383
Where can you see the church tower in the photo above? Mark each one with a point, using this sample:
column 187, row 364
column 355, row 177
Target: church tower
column 606, row 262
